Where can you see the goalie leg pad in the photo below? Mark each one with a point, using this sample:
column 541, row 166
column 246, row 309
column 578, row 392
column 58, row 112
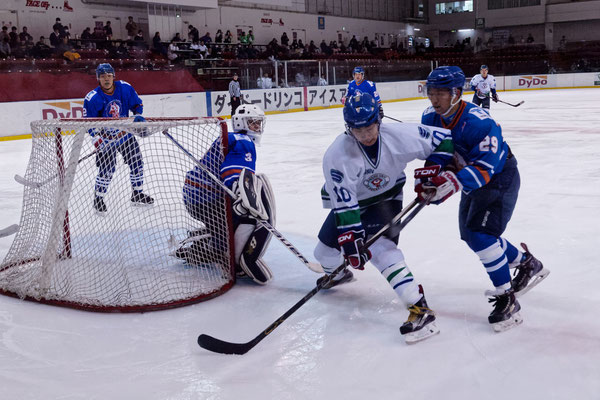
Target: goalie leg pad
column 250, row 258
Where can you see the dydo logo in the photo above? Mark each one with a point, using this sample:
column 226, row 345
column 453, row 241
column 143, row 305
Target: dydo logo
column 421, row 88
column 62, row 109
column 533, row 81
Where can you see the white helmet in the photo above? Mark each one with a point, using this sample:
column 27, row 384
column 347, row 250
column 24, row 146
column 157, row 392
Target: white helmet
column 249, row 119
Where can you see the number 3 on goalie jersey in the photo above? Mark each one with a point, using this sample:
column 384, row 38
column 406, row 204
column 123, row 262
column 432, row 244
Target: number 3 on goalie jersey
column 342, row 194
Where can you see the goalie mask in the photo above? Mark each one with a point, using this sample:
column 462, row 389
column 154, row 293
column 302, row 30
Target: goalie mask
column 249, row 119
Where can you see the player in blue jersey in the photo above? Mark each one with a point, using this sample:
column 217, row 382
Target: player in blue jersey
column 201, row 195
column 485, row 169
column 114, row 99
column 360, row 85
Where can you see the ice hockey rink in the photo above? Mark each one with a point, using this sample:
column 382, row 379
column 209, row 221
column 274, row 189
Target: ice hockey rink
column 345, row 343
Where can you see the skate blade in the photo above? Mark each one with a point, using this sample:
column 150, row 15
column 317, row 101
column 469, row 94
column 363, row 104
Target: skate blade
column 427, row 331
column 101, row 213
column 540, row 276
column 513, row 321
column 142, row 205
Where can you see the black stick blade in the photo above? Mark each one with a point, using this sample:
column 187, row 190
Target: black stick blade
column 219, row 346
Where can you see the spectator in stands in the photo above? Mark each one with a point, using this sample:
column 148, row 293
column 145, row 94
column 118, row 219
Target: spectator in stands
column 13, row 38
column 139, row 41
column 157, row 44
column 5, row 48
column 325, row 49
column 250, row 37
column 193, row 34
column 562, row 45
column 285, row 40
column 265, row 82
column 206, row 39
column 86, row 39
column 41, row 49
column 228, row 37
column 65, row 49
column 172, row 50
column 58, row 26
column 312, row 48
column 530, row 38
column 55, row 37
column 243, row 38
column 353, row 44
column 25, row 37
column 4, row 33
column 200, row 48
column 131, row 27
column 294, row 45
column 300, row 44
column 235, row 93
column 108, row 32
column 177, row 38
column 122, row 51
column 219, row 36
column 322, row 81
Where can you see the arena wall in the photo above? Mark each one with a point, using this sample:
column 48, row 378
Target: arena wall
column 18, row 115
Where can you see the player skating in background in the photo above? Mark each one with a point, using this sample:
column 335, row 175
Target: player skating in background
column 201, row 195
column 484, row 84
column 364, row 177
column 114, row 99
column 360, row 85
column 486, row 171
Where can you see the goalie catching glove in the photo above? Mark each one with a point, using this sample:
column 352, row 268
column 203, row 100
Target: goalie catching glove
column 248, row 203
column 352, row 244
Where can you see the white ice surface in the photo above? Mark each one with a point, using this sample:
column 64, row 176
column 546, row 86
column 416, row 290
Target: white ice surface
column 345, row 344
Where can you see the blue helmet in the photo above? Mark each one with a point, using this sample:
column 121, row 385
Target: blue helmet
column 446, row 77
column 483, row 67
column 104, row 68
column 358, row 70
column 361, row 110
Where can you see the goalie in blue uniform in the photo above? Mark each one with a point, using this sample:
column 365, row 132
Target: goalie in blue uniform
column 114, row 99
column 486, row 172
column 237, row 171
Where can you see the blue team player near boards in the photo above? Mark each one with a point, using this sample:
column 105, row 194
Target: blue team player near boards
column 114, row 99
column 485, row 169
column 360, row 85
column 232, row 161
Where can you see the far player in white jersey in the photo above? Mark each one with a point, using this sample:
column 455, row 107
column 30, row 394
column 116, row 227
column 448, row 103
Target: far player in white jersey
column 484, row 86
column 364, row 177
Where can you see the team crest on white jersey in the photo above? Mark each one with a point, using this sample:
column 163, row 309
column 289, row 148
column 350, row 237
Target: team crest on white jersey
column 376, row 181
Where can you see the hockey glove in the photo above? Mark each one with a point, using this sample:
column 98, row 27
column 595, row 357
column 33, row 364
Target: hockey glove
column 352, row 244
column 248, row 202
column 139, row 118
column 100, row 144
column 423, row 175
column 495, row 97
column 440, row 187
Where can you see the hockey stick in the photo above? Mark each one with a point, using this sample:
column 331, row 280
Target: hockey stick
column 37, row 185
column 220, row 346
column 315, row 267
column 393, row 119
column 9, row 230
column 512, row 105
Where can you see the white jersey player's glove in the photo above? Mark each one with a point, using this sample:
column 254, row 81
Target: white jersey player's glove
column 353, row 247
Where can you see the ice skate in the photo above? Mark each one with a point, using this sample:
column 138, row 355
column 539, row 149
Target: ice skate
column 345, row 276
column 528, row 274
column 420, row 324
column 505, row 314
column 141, row 199
column 99, row 205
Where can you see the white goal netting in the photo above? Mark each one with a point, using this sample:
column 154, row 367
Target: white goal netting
column 124, row 258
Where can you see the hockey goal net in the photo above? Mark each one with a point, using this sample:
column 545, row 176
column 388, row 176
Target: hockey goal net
column 67, row 253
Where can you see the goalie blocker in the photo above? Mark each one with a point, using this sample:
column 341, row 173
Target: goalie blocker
column 255, row 201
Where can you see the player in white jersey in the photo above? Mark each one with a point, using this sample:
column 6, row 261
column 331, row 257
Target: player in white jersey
column 484, row 86
column 364, row 177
